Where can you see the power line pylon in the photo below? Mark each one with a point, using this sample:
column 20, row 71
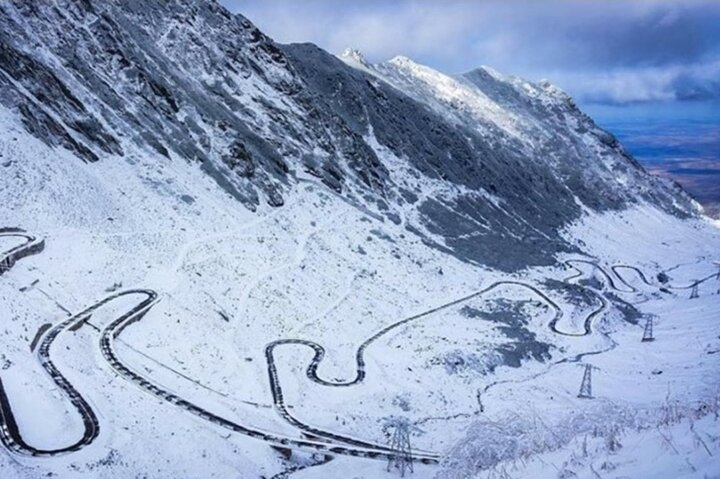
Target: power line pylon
column 586, row 385
column 402, row 452
column 694, row 293
column 648, row 332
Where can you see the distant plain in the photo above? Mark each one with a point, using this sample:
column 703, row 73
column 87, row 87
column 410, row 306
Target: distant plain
column 682, row 145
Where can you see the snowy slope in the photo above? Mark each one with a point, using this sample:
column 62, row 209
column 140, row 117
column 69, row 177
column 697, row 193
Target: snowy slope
column 308, row 273
column 448, row 252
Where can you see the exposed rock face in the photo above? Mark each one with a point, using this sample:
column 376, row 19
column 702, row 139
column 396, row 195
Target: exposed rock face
column 487, row 167
column 179, row 79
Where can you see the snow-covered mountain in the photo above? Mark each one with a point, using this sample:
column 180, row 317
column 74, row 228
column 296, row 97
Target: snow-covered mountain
column 510, row 162
column 205, row 209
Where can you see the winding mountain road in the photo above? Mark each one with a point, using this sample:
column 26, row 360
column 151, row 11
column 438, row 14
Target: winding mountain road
column 330, row 442
column 107, row 346
column 610, row 281
column 351, row 446
column 9, row 431
column 319, row 353
column 616, row 269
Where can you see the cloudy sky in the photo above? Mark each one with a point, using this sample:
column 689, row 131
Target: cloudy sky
column 602, row 52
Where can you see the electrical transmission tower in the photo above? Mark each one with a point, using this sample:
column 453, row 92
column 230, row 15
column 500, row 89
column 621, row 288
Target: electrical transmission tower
column 694, row 293
column 586, row 385
column 400, row 444
column 648, row 333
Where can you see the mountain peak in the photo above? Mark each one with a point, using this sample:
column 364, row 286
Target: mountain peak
column 492, row 72
column 402, row 61
column 352, row 55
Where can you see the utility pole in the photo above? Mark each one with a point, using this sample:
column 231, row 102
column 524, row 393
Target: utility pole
column 694, row 293
column 648, row 333
column 402, row 452
column 586, row 385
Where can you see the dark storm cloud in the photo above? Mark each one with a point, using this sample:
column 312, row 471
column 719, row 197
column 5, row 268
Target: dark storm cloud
column 687, row 87
column 611, row 34
column 603, row 51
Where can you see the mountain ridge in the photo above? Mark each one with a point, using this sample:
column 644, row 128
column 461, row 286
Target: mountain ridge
column 197, row 83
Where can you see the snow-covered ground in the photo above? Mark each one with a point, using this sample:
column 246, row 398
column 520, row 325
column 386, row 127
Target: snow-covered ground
column 318, row 269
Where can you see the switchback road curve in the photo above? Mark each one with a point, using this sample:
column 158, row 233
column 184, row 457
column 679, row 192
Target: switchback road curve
column 107, row 347
column 9, row 431
column 616, row 269
column 630, row 289
column 608, row 278
column 319, row 354
column 30, row 246
column 663, row 285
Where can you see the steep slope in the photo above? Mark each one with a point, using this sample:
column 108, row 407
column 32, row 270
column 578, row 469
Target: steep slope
column 515, row 174
column 538, row 123
column 179, row 80
column 473, row 165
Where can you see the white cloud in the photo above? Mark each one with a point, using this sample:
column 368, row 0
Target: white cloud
column 601, row 50
column 629, row 85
